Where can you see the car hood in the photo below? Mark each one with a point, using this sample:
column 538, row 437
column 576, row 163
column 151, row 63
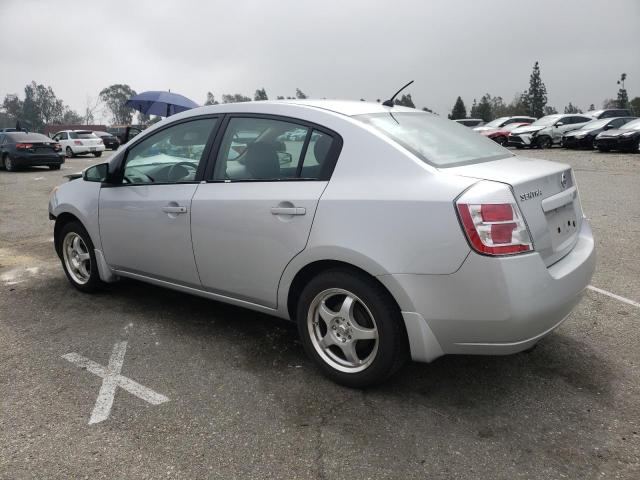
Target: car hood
column 484, row 129
column 574, row 133
column 614, row 132
column 528, row 129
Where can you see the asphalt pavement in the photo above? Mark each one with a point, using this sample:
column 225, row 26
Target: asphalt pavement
column 237, row 398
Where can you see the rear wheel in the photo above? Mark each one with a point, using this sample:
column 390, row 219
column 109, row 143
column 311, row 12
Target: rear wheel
column 9, row 164
column 78, row 257
column 501, row 141
column 69, row 152
column 97, row 154
column 351, row 327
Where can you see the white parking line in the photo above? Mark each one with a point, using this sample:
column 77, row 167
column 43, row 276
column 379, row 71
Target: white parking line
column 613, row 295
column 111, row 380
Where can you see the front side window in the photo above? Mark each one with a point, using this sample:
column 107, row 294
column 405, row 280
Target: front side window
column 267, row 149
column 171, row 155
column 436, row 141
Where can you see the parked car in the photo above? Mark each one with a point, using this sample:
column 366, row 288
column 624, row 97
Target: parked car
column 110, row 141
column 501, row 134
column 124, row 132
column 393, row 233
column 76, row 142
column 21, row 149
column 547, row 131
column 585, row 136
column 609, row 113
column 470, row 122
column 503, row 121
column 625, row 138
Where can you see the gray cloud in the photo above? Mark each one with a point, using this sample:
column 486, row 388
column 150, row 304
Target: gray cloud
column 335, row 49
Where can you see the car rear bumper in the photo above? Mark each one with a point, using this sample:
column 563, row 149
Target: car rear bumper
column 37, row 160
column 492, row 306
column 79, row 149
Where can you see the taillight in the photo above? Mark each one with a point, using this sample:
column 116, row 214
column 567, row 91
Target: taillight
column 100, row 142
column 492, row 221
column 24, row 146
column 77, row 142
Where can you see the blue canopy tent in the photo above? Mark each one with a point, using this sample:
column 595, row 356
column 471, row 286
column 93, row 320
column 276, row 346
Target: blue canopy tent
column 163, row 104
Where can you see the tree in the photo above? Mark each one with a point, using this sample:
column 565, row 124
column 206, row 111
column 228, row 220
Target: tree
column 635, row 105
column 483, row 109
column 71, row 117
column 300, row 93
column 234, row 98
column 499, row 108
column 91, row 106
column 261, row 94
column 609, row 103
column 12, row 105
column 535, row 98
column 41, row 106
column 428, row 110
column 623, row 98
column 458, row 111
column 405, row 101
column 548, row 110
column 114, row 98
column 592, row 107
column 279, row 97
column 572, row 109
column 210, row 99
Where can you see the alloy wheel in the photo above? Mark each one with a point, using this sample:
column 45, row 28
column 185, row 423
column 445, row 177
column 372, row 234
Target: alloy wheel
column 76, row 257
column 342, row 330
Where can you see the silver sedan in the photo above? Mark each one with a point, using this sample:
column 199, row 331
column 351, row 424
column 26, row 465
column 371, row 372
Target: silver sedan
column 386, row 233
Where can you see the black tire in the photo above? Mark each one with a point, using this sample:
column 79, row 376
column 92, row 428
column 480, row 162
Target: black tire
column 97, row 154
column 544, row 142
column 93, row 282
column 501, row 141
column 392, row 344
column 54, row 167
column 604, row 149
column 69, row 152
column 9, row 166
column 519, row 147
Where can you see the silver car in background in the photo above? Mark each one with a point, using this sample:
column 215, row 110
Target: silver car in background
column 384, row 232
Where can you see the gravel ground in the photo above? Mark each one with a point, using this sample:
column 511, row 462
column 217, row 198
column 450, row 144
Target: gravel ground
column 244, row 401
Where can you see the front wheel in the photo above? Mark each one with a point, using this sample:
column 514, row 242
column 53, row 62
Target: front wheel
column 78, row 257
column 97, row 154
column 69, row 152
column 351, row 327
column 544, row 142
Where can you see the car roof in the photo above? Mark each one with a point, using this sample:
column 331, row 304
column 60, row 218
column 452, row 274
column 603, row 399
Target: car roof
column 344, row 107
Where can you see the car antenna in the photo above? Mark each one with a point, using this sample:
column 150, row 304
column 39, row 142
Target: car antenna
column 389, row 103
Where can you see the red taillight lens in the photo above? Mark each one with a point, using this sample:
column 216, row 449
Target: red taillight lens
column 24, row 146
column 492, row 221
column 77, row 142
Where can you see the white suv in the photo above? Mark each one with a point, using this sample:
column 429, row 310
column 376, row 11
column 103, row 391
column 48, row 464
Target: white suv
column 75, row 142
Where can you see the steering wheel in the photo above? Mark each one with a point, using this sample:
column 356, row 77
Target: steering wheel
column 185, row 166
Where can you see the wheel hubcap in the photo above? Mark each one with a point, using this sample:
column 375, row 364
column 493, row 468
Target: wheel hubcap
column 76, row 257
column 343, row 330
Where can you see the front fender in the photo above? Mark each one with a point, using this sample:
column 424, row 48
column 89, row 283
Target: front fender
column 80, row 199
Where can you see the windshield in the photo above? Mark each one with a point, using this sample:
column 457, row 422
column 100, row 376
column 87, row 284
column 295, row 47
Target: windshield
column 497, row 122
column 436, row 141
column 596, row 124
column 544, row 121
column 81, row 135
column 635, row 125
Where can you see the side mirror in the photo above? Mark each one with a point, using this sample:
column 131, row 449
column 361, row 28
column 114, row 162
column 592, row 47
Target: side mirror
column 97, row 173
column 559, row 124
column 608, row 127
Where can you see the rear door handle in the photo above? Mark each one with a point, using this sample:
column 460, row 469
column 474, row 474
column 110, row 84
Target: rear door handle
column 288, row 210
column 174, row 209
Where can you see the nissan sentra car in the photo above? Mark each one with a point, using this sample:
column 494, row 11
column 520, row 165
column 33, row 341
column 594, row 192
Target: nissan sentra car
column 388, row 233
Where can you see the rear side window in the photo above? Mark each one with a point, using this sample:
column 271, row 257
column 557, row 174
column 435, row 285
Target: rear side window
column 269, row 149
column 436, row 141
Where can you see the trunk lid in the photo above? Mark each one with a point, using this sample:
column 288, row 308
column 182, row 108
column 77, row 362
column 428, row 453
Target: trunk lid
column 546, row 194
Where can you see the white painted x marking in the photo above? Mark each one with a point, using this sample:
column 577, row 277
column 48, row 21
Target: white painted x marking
column 111, row 380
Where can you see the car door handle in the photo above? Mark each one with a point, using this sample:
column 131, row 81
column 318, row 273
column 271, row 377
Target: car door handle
column 174, row 209
column 288, row 211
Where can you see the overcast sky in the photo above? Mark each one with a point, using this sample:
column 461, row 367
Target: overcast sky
column 334, row 49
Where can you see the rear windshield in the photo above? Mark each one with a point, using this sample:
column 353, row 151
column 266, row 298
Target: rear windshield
column 81, row 135
column 28, row 137
column 434, row 140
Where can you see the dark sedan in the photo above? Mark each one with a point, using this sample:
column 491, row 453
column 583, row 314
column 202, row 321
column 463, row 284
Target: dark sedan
column 110, row 141
column 625, row 138
column 21, row 149
column 585, row 137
